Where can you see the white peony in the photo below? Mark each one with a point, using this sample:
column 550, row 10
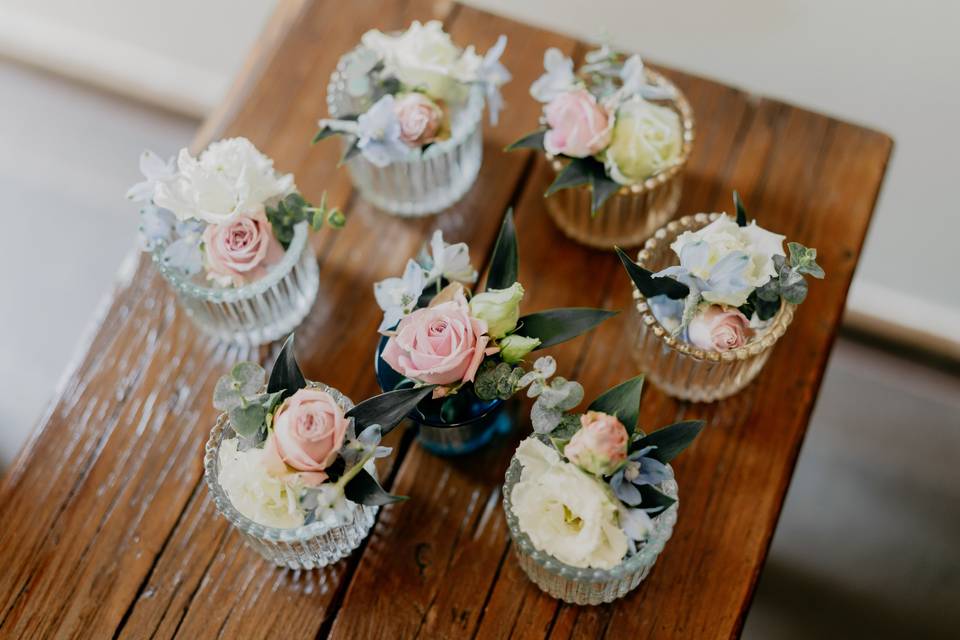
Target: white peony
column 646, row 140
column 565, row 511
column 265, row 499
column 425, row 57
column 231, row 177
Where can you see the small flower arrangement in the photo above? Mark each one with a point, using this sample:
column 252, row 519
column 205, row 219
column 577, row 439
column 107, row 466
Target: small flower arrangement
column 589, row 493
column 226, row 214
column 468, row 347
column 732, row 280
column 606, row 122
column 295, row 452
column 411, row 86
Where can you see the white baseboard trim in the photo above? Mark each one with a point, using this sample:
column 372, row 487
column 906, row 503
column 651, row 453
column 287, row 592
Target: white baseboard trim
column 117, row 66
column 900, row 317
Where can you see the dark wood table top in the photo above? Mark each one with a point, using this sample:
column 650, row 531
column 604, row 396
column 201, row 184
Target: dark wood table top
column 108, row 528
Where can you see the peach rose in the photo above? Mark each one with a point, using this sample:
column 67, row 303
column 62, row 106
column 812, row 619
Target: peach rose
column 240, row 251
column 719, row 328
column 441, row 344
column 420, row 119
column 600, row 445
column 308, row 432
column 579, row 126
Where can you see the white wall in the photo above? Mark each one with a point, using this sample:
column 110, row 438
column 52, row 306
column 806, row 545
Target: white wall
column 889, row 64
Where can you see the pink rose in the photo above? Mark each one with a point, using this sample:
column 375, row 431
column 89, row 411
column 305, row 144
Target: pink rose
column 719, row 329
column 308, row 432
column 600, row 445
column 240, row 251
column 579, row 127
column 441, row 344
column 420, row 119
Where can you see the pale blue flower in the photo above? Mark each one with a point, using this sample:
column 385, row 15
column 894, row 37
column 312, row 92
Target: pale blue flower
column 184, row 254
column 493, row 74
column 640, row 469
column 724, row 282
column 448, row 261
column 156, row 226
column 378, row 131
column 557, row 79
column 398, row 296
column 154, row 171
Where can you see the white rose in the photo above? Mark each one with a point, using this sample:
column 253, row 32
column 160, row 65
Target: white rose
column 565, row 511
column 425, row 57
column 231, row 177
column 263, row 498
column 646, row 140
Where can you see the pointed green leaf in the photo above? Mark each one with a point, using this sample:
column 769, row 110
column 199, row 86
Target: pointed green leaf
column 286, row 375
column 622, row 401
column 741, row 210
column 602, row 187
column 653, row 498
column 574, row 174
column 559, row 325
column 530, row 141
column 670, row 440
column 504, row 262
column 650, row 286
column 363, row 488
column 387, row 409
column 324, row 132
column 351, row 151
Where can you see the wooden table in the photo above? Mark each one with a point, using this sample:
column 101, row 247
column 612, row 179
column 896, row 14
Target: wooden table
column 106, row 526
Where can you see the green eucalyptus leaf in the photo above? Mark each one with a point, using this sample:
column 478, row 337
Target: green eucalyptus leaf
column 530, row 141
column 804, row 260
column 793, row 287
column 670, row 440
column 286, row 376
column 650, row 286
column 248, row 420
column 504, row 263
column 559, row 325
column 653, row 498
column 622, row 401
column 387, row 409
column 363, row 488
column 249, row 377
column 225, row 394
column 741, row 210
column 336, row 219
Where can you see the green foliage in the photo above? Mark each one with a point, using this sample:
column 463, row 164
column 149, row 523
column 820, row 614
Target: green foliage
column 559, row 325
column 326, row 131
column 650, row 286
column 741, row 210
column 530, row 141
column 387, row 409
column 670, row 440
column 363, row 488
column 239, row 393
column 622, row 401
column 504, row 263
column 590, row 172
column 804, row 260
column 294, row 209
column 496, row 380
column 652, row 500
column 286, row 377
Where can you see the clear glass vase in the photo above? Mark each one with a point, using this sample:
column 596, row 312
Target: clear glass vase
column 681, row 369
column 256, row 313
column 634, row 212
column 426, row 181
column 312, row 545
column 584, row 585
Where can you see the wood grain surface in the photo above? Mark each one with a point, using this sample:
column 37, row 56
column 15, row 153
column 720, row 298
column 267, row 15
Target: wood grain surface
column 109, row 529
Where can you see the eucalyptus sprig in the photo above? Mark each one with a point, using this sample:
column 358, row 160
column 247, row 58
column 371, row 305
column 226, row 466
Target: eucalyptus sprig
column 240, row 394
column 294, row 209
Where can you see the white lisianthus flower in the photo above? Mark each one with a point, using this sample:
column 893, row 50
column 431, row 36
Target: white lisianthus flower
column 231, row 177
column 265, row 499
column 450, row 261
column 565, row 511
column 646, row 140
column 425, row 57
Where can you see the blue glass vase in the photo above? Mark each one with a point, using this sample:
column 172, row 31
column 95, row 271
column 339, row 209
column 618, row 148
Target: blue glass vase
column 452, row 426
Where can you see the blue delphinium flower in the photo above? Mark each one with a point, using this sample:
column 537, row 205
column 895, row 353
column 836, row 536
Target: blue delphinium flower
column 640, row 469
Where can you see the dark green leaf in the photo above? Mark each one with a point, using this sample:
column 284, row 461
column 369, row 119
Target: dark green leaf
column 286, row 375
column 650, row 286
column 574, row 174
column 246, row 421
column 559, row 325
column 387, row 409
column 670, row 440
column 324, row 132
column 622, row 401
column 351, row 151
column 363, row 488
column 602, row 188
column 741, row 211
column 504, row 262
column 654, row 499
column 530, row 141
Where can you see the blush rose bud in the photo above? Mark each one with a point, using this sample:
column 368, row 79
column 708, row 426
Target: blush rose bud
column 719, row 329
column 513, row 349
column 600, row 445
column 579, row 127
column 420, row 119
column 500, row 308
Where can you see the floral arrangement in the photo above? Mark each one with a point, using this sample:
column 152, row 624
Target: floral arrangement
column 588, row 489
column 605, row 121
column 465, row 345
column 294, row 455
column 226, row 213
column 732, row 279
column 412, row 83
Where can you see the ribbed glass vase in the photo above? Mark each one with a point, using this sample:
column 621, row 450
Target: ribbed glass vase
column 681, row 369
column 256, row 313
column 425, row 182
column 634, row 212
column 312, row 545
column 587, row 586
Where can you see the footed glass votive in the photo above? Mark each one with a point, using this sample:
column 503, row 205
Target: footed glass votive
column 264, row 310
column 472, row 425
column 634, row 212
column 426, row 181
column 311, row 545
column 584, row 585
column 681, row 369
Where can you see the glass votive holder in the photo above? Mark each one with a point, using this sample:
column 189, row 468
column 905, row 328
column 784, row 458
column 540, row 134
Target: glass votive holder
column 579, row 585
column 426, row 181
column 681, row 369
column 312, row 545
column 259, row 312
column 631, row 214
